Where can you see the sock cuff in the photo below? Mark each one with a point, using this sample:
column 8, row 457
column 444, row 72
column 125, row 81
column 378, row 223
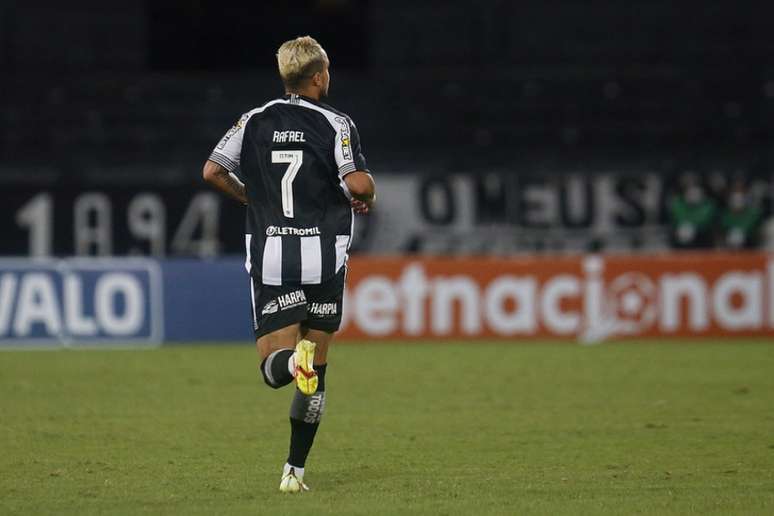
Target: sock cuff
column 267, row 366
column 292, row 364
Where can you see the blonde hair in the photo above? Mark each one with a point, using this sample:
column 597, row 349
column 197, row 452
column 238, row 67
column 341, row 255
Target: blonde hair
column 299, row 59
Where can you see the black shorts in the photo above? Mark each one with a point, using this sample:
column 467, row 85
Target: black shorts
column 317, row 307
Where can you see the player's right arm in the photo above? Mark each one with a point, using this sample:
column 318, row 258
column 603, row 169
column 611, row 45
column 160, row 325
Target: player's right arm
column 224, row 159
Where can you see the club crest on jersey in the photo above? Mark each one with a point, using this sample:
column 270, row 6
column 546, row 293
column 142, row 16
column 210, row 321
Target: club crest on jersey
column 346, row 147
column 291, row 299
column 270, row 308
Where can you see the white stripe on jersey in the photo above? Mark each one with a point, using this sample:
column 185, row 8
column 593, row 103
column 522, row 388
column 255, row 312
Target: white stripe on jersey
column 248, row 263
column 249, row 267
column 252, row 297
column 351, row 228
column 272, row 261
column 342, row 243
column 311, row 260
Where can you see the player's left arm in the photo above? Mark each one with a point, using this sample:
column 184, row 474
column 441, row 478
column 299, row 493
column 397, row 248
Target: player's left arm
column 363, row 189
column 355, row 174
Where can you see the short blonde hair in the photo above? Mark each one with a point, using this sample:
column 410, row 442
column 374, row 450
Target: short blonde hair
column 299, row 59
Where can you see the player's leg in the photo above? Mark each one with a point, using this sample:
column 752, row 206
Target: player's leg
column 323, row 320
column 322, row 339
column 306, row 411
column 305, row 415
column 283, row 338
column 277, row 352
column 276, row 312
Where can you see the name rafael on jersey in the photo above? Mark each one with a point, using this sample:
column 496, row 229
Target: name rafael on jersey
column 289, row 136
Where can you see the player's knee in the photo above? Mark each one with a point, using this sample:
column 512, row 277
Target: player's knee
column 267, row 381
column 276, row 369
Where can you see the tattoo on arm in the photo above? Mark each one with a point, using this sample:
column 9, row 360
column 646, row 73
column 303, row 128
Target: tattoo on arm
column 235, row 188
column 224, row 181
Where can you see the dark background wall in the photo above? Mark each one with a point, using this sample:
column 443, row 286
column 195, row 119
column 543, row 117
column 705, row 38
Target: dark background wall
column 519, row 98
column 94, row 86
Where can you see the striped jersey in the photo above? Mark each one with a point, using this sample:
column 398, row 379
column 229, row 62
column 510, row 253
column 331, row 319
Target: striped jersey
column 293, row 153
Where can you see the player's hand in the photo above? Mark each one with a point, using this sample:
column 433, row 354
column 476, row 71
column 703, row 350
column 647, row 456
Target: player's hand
column 360, row 207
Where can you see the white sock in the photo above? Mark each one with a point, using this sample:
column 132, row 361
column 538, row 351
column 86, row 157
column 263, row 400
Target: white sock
column 292, row 365
column 299, row 472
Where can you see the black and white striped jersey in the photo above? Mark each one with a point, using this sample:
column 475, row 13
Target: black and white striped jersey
column 293, row 153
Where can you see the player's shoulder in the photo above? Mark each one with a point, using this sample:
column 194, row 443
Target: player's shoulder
column 334, row 116
column 263, row 108
column 334, row 110
column 339, row 113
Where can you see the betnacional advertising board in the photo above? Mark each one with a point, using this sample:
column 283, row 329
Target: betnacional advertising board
column 587, row 298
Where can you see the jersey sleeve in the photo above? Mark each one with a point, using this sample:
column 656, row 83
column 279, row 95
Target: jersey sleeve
column 347, row 149
column 228, row 150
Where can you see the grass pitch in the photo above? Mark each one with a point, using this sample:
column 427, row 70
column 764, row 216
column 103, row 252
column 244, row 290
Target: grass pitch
column 635, row 428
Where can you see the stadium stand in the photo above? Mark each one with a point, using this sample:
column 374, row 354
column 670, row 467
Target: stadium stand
column 516, row 84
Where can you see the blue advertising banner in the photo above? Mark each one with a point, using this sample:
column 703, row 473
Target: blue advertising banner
column 206, row 300
column 80, row 301
column 122, row 302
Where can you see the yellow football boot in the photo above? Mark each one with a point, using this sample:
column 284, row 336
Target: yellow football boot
column 306, row 377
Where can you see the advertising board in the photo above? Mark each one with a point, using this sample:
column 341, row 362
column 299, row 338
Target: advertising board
column 80, row 301
column 586, row 297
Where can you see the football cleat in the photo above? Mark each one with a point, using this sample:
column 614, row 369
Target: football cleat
column 306, row 377
column 292, row 480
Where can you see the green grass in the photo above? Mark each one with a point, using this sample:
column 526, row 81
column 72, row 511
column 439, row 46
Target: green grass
column 667, row 428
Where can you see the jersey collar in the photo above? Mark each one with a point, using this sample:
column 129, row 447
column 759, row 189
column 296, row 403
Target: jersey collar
column 294, row 98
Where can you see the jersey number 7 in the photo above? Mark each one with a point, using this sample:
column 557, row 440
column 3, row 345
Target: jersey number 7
column 294, row 159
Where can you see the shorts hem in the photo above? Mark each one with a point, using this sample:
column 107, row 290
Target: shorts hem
column 279, row 325
column 329, row 327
